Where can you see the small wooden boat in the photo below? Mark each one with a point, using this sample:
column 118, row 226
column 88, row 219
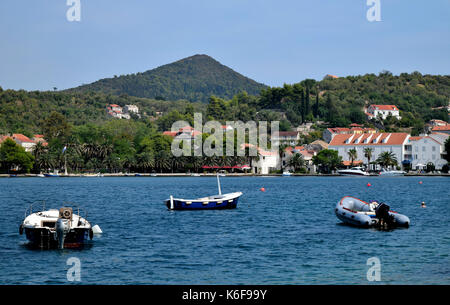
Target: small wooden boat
column 215, row 202
column 51, row 175
column 356, row 212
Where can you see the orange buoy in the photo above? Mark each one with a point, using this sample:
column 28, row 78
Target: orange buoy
column 368, row 184
column 420, row 182
column 262, row 189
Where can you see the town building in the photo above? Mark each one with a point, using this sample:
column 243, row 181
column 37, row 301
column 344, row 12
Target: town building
column 382, row 111
column 131, row 109
column 266, row 162
column 184, row 133
column 329, row 133
column 118, row 112
column 397, row 143
column 21, row 140
column 428, row 149
column 330, row 76
column 290, row 138
column 307, row 155
column 441, row 129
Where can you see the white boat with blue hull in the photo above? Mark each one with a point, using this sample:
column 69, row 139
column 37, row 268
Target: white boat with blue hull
column 215, row 202
column 356, row 212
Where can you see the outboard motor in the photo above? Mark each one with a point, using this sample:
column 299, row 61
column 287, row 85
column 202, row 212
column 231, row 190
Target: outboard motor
column 63, row 225
column 382, row 213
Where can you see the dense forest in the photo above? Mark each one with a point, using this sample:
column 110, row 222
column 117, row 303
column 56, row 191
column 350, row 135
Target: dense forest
column 195, row 78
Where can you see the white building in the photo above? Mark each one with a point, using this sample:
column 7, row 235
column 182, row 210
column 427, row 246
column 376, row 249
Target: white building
column 267, row 162
column 21, row 140
column 428, row 149
column 397, row 143
column 285, row 137
column 131, row 109
column 383, row 111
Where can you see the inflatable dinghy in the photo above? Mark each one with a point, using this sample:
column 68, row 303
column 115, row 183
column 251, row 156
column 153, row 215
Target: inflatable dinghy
column 359, row 213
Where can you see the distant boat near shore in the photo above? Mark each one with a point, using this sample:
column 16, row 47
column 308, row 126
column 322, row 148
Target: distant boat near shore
column 215, row 202
column 51, row 175
column 390, row 173
column 354, row 171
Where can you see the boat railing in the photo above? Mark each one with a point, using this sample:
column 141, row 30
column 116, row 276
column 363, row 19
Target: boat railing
column 30, row 209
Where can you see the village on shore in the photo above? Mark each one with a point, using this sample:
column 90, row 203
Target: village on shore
column 356, row 145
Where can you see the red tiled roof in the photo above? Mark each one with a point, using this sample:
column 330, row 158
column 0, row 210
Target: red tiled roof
column 349, row 163
column 385, row 107
column 170, row 133
column 394, row 139
column 441, row 128
column 415, row 138
column 20, row 137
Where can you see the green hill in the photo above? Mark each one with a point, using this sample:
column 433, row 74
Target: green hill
column 195, row 78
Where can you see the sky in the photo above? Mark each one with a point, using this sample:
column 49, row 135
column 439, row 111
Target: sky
column 270, row 41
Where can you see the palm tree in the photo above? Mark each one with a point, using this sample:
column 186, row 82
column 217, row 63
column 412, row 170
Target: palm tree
column 352, row 155
column 297, row 161
column 368, row 154
column 281, row 149
column 145, row 160
column 386, row 159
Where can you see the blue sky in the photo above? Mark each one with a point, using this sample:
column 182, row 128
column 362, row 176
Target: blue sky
column 271, row 41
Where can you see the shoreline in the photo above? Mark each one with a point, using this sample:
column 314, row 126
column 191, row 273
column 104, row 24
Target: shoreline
column 203, row 175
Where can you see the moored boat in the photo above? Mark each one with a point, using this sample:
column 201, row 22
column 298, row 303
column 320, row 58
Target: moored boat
column 359, row 213
column 390, row 173
column 354, row 171
column 51, row 175
column 215, row 202
column 56, row 229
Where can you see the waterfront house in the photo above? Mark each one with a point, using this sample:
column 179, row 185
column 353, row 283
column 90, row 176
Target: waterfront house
column 428, row 149
column 397, row 143
column 329, row 133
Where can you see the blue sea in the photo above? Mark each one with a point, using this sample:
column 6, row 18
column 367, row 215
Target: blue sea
column 288, row 234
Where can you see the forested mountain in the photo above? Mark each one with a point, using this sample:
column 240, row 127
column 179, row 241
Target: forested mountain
column 195, row 78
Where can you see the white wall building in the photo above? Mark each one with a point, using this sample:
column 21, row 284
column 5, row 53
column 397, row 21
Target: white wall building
column 131, row 109
column 374, row 111
column 426, row 149
column 379, row 142
column 285, row 137
column 267, row 162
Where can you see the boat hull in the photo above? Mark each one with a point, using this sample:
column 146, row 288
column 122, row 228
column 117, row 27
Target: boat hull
column 46, row 239
column 356, row 212
column 199, row 204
